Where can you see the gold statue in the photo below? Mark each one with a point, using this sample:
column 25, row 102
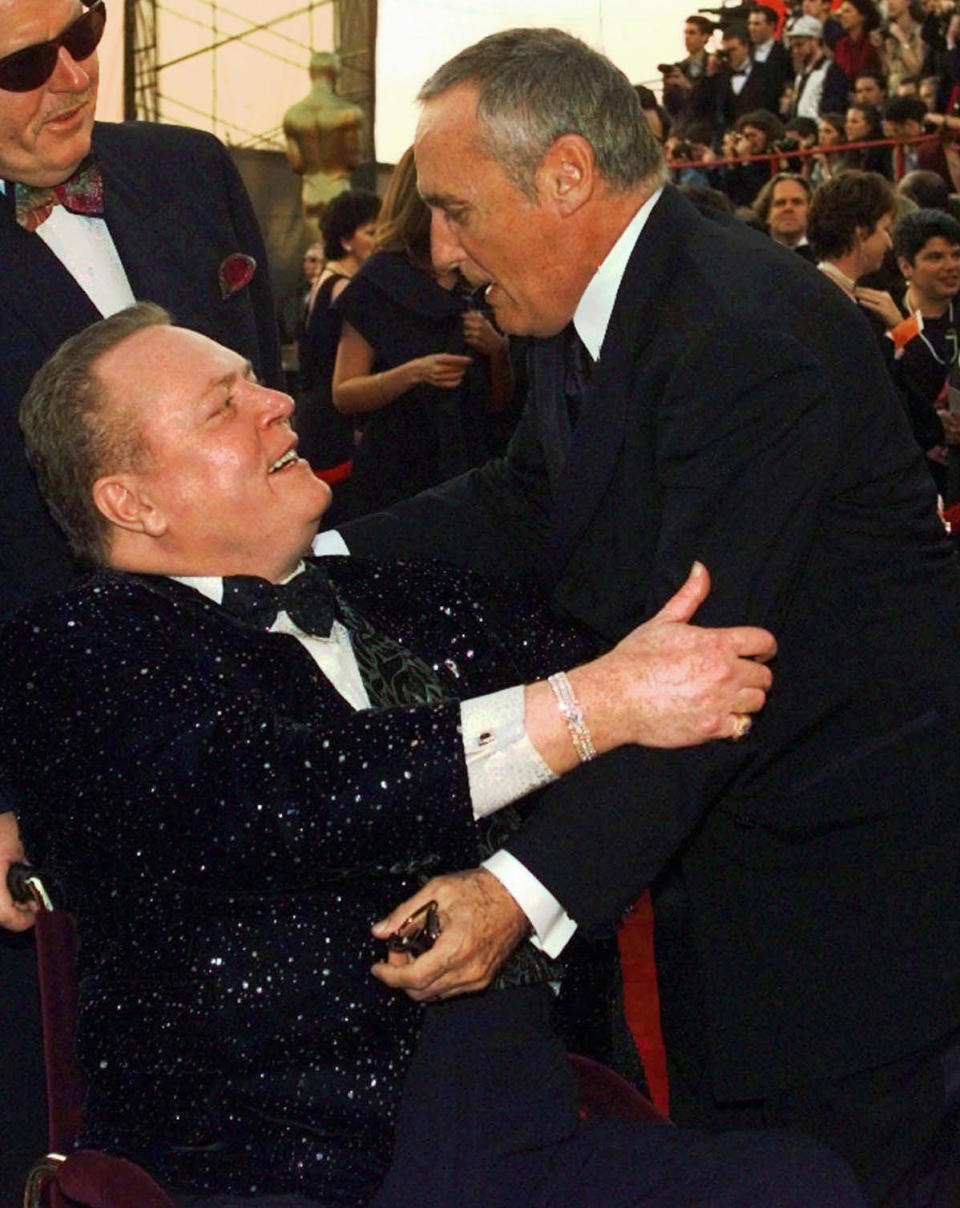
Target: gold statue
column 322, row 135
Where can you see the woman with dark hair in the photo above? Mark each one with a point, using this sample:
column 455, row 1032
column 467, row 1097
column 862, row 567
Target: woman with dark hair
column 858, row 49
column 863, row 125
column 832, row 132
column 407, row 360
column 326, row 436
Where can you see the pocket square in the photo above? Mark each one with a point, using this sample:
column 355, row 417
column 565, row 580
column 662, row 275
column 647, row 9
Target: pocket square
column 235, row 272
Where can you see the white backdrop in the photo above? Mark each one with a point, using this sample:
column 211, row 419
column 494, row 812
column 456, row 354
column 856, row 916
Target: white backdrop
column 110, row 97
column 254, row 80
column 415, row 36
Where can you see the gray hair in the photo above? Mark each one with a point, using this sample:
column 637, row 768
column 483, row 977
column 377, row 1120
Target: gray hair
column 71, row 436
column 536, row 85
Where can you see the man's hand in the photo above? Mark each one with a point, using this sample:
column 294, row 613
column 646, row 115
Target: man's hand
column 480, row 925
column 672, row 684
column 13, row 915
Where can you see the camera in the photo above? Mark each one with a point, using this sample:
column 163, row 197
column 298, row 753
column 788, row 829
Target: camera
column 682, row 151
column 787, row 144
column 667, row 68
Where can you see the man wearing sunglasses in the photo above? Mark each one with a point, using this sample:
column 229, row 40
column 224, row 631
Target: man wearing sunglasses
column 167, row 219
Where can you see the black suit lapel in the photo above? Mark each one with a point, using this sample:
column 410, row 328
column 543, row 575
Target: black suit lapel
column 134, row 216
column 613, row 391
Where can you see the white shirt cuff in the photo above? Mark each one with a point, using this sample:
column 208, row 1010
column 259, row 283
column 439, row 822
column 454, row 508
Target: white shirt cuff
column 552, row 926
column 328, row 543
column 502, row 763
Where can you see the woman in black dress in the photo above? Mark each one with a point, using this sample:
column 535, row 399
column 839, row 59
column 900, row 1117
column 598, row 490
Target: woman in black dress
column 326, row 436
column 417, row 360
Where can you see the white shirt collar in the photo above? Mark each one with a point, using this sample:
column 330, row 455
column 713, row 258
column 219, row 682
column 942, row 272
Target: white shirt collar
column 211, row 586
column 847, row 284
column 592, row 316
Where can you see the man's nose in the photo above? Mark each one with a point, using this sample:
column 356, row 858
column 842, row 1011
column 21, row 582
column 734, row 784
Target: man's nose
column 68, row 75
column 273, row 405
column 445, row 249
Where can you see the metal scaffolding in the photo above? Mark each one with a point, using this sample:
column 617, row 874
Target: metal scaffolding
column 150, row 94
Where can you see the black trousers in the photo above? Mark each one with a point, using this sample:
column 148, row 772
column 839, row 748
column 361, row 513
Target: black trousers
column 898, row 1125
column 489, row 1119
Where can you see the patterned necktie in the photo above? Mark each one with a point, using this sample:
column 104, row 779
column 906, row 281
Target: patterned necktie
column 391, row 674
column 307, row 599
column 82, row 193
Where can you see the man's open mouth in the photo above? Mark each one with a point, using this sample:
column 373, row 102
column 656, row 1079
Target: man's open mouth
column 287, row 459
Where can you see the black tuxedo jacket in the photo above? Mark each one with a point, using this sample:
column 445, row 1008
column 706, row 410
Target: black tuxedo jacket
column 227, row 828
column 740, row 414
column 779, row 65
column 761, row 90
column 176, row 208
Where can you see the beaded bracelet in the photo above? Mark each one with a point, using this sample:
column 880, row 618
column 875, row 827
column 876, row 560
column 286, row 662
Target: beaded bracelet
column 569, row 706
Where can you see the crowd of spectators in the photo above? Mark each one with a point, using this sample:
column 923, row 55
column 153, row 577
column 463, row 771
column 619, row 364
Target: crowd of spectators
column 835, row 132
column 860, row 75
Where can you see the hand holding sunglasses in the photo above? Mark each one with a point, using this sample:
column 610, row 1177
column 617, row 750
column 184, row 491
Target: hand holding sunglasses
column 417, row 933
column 32, row 66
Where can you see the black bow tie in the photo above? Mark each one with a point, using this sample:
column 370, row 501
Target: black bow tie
column 307, row 598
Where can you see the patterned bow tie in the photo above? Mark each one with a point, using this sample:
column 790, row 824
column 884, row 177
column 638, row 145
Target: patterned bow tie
column 307, row 599
column 82, row 193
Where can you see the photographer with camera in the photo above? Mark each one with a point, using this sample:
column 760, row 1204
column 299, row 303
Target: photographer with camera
column 755, row 133
column 687, row 96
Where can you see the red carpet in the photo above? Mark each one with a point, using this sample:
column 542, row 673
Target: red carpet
column 640, row 997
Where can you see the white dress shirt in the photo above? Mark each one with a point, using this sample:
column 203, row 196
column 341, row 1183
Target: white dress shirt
column 552, row 926
column 85, row 248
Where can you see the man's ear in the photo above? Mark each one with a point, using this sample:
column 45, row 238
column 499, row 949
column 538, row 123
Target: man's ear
column 120, row 499
column 904, row 266
column 567, row 175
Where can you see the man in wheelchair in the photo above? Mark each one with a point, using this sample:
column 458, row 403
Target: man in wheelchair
column 234, row 758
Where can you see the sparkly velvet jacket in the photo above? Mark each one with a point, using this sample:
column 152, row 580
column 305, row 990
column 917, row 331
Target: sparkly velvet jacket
column 226, row 828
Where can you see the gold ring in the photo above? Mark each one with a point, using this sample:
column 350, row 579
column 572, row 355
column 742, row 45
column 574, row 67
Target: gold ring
column 741, row 725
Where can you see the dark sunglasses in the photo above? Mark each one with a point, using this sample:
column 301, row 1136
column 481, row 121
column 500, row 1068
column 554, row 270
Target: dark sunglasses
column 417, row 933
column 31, row 67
